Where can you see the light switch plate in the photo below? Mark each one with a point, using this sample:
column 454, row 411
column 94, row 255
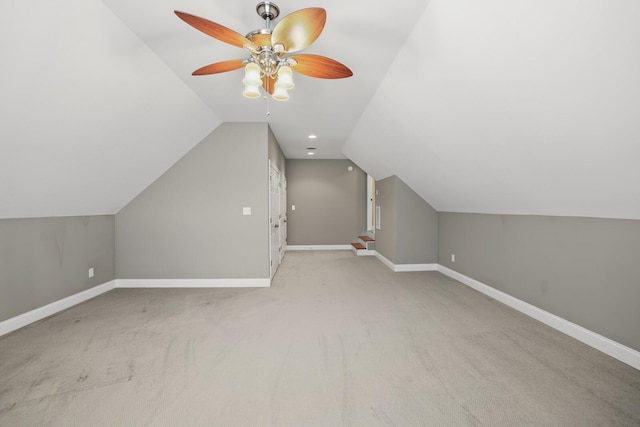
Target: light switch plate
column 246, row 211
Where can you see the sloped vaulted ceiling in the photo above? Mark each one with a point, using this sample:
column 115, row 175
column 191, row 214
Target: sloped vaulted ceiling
column 97, row 97
column 365, row 35
column 89, row 115
column 521, row 107
column 496, row 106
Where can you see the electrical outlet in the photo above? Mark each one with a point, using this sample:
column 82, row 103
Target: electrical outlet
column 453, row 257
column 91, row 272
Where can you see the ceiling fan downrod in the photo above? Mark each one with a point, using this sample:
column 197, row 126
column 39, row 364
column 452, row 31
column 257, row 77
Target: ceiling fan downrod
column 268, row 11
column 266, row 56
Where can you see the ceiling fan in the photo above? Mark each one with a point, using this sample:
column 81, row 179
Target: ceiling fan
column 270, row 62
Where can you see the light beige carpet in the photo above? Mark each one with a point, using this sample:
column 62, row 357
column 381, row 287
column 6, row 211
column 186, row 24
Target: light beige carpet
column 338, row 340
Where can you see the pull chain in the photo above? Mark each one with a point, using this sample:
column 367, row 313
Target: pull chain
column 268, row 110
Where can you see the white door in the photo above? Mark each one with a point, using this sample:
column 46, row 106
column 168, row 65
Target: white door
column 274, row 219
column 283, row 216
column 371, row 202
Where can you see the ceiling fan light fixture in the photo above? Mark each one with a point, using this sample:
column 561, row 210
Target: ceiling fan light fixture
column 280, row 93
column 285, row 78
column 251, row 91
column 252, row 75
column 270, row 62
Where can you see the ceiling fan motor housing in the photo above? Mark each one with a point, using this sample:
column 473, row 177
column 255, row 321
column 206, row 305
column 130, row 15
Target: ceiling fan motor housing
column 268, row 61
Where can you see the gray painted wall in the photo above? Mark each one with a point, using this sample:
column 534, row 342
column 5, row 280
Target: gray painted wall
column 585, row 270
column 275, row 153
column 331, row 204
column 408, row 224
column 417, row 227
column 43, row 260
column 189, row 224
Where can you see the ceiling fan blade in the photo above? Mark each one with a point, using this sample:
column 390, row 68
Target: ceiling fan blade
column 214, row 30
column 298, row 30
column 268, row 83
column 320, row 67
column 219, row 67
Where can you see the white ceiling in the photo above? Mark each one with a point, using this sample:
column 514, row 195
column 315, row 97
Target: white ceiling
column 356, row 35
column 90, row 115
column 521, row 107
column 490, row 106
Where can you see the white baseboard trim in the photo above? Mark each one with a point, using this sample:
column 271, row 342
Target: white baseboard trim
column 398, row 268
column 364, row 252
column 614, row 349
column 193, row 283
column 40, row 313
column 319, row 247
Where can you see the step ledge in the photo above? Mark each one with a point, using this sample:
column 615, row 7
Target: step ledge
column 365, row 252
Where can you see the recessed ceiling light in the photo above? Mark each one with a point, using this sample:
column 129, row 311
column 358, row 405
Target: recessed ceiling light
column 310, row 153
column 312, row 137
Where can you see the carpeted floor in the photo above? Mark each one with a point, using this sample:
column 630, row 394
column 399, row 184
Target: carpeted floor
column 338, row 340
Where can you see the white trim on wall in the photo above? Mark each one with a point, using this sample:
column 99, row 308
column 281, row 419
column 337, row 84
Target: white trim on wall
column 193, row 283
column 398, row 268
column 40, row 313
column 614, row 349
column 319, row 247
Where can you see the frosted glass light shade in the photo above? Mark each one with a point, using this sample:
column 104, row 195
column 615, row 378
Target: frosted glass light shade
column 285, row 78
column 280, row 94
column 252, row 75
column 251, row 91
